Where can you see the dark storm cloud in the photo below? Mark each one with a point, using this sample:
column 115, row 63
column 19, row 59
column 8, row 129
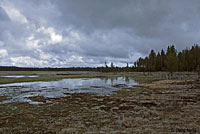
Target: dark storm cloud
column 91, row 32
column 169, row 21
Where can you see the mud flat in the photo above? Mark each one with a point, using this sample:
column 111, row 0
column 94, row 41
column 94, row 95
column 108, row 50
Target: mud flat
column 174, row 107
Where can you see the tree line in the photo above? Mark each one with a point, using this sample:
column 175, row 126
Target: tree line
column 113, row 68
column 171, row 60
column 13, row 68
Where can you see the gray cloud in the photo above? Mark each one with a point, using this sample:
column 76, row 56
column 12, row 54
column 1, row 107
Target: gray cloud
column 88, row 33
column 3, row 15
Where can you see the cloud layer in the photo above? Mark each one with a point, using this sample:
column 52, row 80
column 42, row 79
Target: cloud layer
column 65, row 33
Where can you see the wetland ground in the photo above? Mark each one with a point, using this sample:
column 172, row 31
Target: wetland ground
column 130, row 103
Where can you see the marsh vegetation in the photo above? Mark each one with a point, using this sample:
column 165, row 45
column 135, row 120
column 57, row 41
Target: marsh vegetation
column 93, row 102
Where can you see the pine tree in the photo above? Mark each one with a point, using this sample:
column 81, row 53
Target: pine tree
column 163, row 60
column 158, row 62
column 106, row 64
column 152, row 60
column 112, row 65
column 171, row 59
column 186, row 60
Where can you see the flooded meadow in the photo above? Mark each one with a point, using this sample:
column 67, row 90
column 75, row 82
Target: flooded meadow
column 20, row 92
column 98, row 103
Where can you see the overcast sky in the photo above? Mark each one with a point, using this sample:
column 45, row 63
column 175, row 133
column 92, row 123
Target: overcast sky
column 65, row 33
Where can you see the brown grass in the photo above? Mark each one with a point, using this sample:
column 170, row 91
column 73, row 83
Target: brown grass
column 167, row 84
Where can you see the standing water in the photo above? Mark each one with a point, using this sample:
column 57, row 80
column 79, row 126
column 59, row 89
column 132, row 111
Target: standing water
column 19, row 92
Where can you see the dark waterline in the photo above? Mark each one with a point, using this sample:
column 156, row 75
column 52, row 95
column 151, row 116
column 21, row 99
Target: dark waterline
column 20, row 76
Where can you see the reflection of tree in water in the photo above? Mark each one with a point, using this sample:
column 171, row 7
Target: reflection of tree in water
column 106, row 80
column 102, row 79
column 127, row 80
column 111, row 80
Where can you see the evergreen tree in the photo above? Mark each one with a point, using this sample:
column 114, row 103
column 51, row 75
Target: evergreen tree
column 112, row 65
column 186, row 60
column 152, row 60
column 127, row 68
column 163, row 60
column 171, row 59
column 112, row 68
column 158, row 62
column 106, row 65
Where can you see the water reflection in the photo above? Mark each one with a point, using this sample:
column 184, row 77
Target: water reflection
column 18, row 92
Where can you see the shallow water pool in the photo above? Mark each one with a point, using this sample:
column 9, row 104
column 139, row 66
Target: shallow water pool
column 19, row 92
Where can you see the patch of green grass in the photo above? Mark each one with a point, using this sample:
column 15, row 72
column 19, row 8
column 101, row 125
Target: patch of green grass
column 144, row 78
column 52, row 76
column 49, row 76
